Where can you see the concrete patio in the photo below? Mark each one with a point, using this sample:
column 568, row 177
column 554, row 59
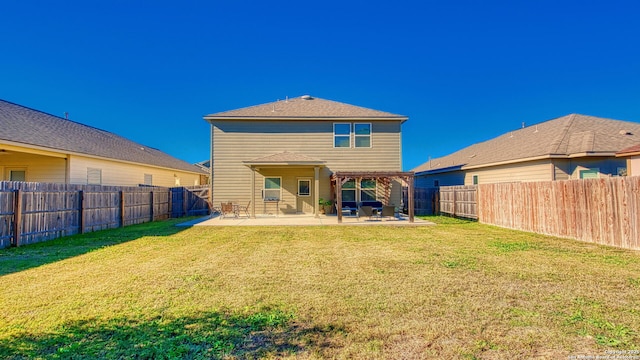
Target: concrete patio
column 303, row 220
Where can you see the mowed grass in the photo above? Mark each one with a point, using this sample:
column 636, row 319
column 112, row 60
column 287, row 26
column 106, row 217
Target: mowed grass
column 455, row 290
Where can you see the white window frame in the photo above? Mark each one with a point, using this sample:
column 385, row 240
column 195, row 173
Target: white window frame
column 264, row 189
column 11, row 169
column 374, row 188
column 356, row 135
column 298, row 192
column 95, row 172
column 475, row 179
column 589, row 170
column 342, row 135
column 354, row 189
column 148, row 179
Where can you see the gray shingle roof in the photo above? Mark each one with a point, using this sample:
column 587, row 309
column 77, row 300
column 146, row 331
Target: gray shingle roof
column 285, row 158
column 23, row 125
column 304, row 107
column 572, row 134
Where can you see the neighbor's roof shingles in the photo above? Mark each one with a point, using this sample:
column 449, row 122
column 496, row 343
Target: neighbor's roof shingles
column 630, row 151
column 565, row 136
column 23, row 125
column 304, row 107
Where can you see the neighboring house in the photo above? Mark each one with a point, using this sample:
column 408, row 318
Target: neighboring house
column 570, row 147
column 39, row 147
column 282, row 156
column 205, row 166
column 632, row 155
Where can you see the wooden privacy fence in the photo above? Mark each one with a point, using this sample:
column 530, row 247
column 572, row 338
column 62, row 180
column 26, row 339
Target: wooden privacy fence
column 426, row 201
column 604, row 211
column 34, row 212
column 459, row 201
column 189, row 201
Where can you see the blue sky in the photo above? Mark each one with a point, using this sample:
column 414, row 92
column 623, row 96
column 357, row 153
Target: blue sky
column 463, row 71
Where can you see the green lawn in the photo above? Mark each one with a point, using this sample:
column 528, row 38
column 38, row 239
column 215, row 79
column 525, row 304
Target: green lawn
column 455, row 290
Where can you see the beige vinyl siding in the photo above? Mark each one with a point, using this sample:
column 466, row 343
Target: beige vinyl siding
column 38, row 168
column 125, row 174
column 238, row 141
column 288, row 199
column 530, row 171
column 562, row 169
column 633, row 166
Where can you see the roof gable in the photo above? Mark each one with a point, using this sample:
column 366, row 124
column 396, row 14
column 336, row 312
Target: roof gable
column 26, row 126
column 304, row 107
column 566, row 136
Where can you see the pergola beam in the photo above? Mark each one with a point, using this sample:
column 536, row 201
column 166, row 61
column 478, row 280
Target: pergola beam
column 340, row 177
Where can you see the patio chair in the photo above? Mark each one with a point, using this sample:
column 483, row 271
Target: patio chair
column 349, row 208
column 366, row 211
column 244, row 209
column 227, row 209
column 388, row 211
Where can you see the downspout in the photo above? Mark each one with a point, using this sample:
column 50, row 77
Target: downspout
column 211, row 168
column 67, row 169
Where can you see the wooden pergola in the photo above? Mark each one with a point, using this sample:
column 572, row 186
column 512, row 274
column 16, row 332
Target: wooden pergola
column 382, row 177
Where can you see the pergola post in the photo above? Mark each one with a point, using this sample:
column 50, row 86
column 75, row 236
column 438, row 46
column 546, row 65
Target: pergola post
column 253, row 192
column 316, row 191
column 339, row 198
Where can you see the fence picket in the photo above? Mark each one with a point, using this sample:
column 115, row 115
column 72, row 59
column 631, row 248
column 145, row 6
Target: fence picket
column 34, row 212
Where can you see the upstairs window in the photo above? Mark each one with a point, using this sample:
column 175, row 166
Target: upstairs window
column 148, row 179
column 362, row 135
column 342, row 135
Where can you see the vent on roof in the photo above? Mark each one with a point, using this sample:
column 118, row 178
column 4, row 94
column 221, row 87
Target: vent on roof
column 625, row 132
column 306, row 97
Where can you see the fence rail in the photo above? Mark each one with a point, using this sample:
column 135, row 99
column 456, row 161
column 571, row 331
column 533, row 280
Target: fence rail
column 34, row 212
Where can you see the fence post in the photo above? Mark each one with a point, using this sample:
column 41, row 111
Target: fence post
column 170, row 203
column 184, row 201
column 122, row 208
column 151, row 205
column 17, row 216
column 81, row 211
column 454, row 202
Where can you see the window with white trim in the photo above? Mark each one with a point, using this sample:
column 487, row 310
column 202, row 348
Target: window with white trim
column 148, row 179
column 590, row 173
column 17, row 175
column 362, row 134
column 94, row 176
column 349, row 191
column 272, row 189
column 342, row 135
column 368, row 190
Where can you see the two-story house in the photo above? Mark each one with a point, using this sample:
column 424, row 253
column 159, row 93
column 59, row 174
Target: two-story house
column 283, row 157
